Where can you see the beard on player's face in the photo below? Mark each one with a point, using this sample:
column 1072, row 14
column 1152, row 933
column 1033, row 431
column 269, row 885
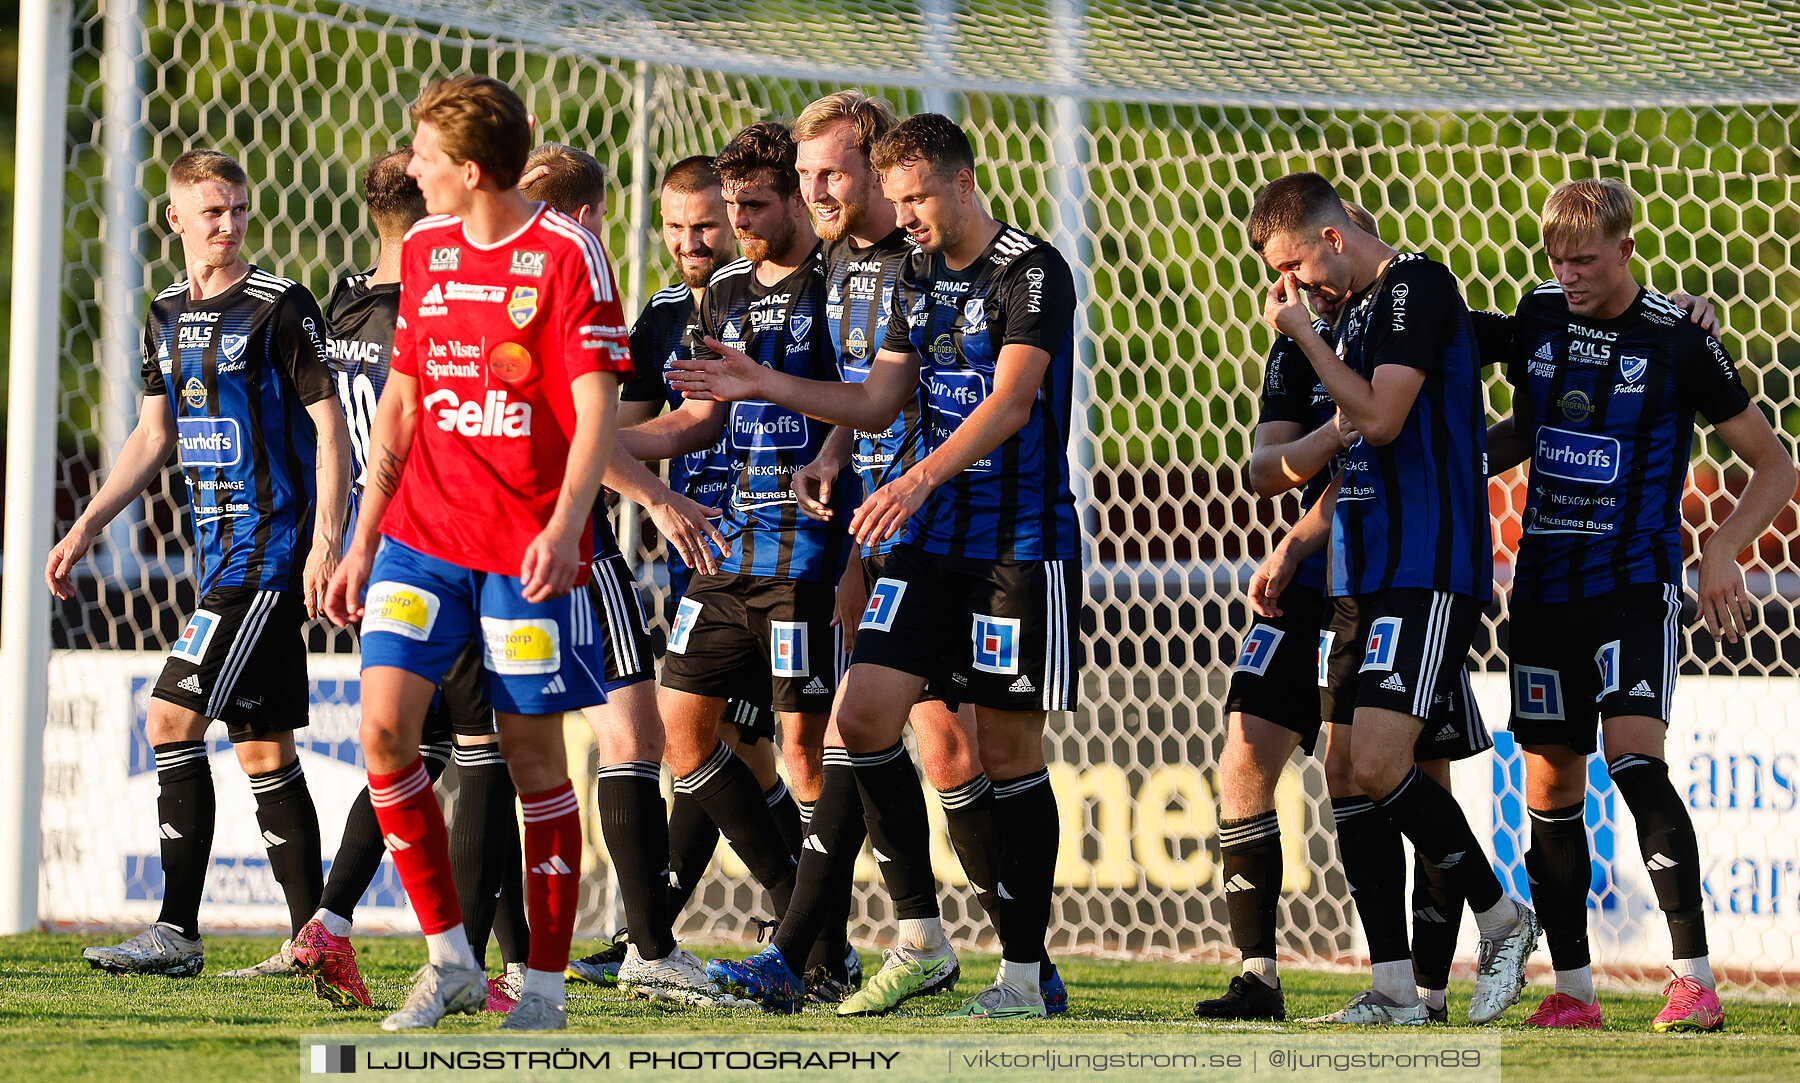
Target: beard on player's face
column 696, row 264
column 776, row 238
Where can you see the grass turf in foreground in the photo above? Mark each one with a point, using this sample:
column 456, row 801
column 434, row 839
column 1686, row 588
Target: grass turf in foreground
column 59, row 1019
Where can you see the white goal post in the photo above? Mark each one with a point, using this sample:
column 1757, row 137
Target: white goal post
column 1134, row 137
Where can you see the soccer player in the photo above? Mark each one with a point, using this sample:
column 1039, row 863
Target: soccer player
column 1607, row 380
column 1272, row 710
column 763, row 619
column 235, row 374
column 984, row 594
column 1416, row 571
column 628, row 732
column 486, row 457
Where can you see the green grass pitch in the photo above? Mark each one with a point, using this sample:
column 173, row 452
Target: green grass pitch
column 61, row 1020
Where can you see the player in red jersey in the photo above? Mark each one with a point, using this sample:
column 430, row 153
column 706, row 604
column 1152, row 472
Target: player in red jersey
column 484, row 462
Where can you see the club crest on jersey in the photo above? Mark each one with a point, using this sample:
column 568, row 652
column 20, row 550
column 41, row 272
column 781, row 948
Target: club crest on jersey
column 447, row 258
column 522, row 306
column 1326, row 639
column 884, row 603
column 974, row 316
column 1384, row 636
column 196, row 637
column 1632, row 368
column 1606, row 662
column 1537, row 693
column 519, row 648
column 529, row 263
column 194, row 393
column 799, row 327
column 232, row 346
column 787, row 649
column 1259, row 650
column 404, row 610
column 996, row 644
column 857, row 344
column 687, row 613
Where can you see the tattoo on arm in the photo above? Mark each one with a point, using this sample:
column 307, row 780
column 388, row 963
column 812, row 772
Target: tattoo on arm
column 387, row 473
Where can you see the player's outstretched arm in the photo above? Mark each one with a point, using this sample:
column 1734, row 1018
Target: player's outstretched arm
column 141, row 458
column 694, row 427
column 683, row 523
column 1724, row 603
column 554, row 558
column 1018, row 376
column 1507, row 446
column 1308, row 536
column 1285, row 456
column 332, row 484
column 813, row 482
column 734, row 377
column 390, row 442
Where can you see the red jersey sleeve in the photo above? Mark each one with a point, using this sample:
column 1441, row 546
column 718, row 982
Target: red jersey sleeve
column 592, row 322
column 405, row 359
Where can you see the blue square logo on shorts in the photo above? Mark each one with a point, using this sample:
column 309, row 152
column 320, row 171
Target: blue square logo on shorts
column 1384, row 636
column 996, row 644
column 884, row 602
column 687, row 611
column 1606, row 660
column 1325, row 641
column 1259, row 649
column 1537, row 693
column 196, row 637
column 787, row 649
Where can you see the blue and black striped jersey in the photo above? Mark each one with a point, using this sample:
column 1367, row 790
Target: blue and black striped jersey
column 1414, row 512
column 659, row 337
column 1609, row 406
column 359, row 346
column 1017, row 503
column 859, row 297
column 783, row 327
column 1292, row 392
column 238, row 372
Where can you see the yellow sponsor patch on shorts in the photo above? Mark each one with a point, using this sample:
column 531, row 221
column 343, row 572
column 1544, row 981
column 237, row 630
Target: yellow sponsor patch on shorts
column 521, row 647
column 400, row 608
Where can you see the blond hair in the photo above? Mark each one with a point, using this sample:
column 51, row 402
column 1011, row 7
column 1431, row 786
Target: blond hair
column 871, row 118
column 1363, row 219
column 1580, row 210
column 198, row 166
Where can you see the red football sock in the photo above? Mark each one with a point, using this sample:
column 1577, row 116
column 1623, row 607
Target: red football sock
column 552, row 873
column 412, row 826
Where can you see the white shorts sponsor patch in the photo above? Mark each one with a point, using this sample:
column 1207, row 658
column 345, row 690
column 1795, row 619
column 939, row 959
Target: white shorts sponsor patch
column 996, row 644
column 687, row 612
column 405, row 610
column 1537, row 693
column 1606, row 660
column 196, row 637
column 788, row 649
column 1259, row 649
column 884, row 603
column 513, row 648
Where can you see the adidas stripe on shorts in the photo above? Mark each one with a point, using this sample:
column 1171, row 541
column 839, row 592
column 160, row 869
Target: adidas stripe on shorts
column 241, row 659
column 1577, row 663
column 748, row 637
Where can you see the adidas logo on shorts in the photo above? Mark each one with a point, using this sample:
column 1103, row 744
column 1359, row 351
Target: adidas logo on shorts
column 1642, row 688
column 190, row 683
column 1393, row 683
column 815, row 687
column 556, row 687
column 1448, row 733
column 1023, row 684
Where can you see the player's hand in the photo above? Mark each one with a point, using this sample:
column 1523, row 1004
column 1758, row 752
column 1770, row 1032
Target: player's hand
column 1269, row 580
column 1700, row 311
column 343, row 600
column 812, row 488
column 551, row 563
column 884, row 513
column 64, row 555
column 1346, row 431
column 536, row 174
column 1724, row 603
column 1285, row 310
column 321, row 562
column 852, row 598
column 686, row 526
column 731, row 377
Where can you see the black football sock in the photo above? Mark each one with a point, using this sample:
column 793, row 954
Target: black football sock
column 1436, row 919
column 899, row 833
column 727, row 789
column 1558, row 866
column 833, row 940
column 975, row 834
column 1025, row 808
column 692, row 839
column 1374, row 863
column 512, row 930
column 630, row 803
column 484, row 839
column 787, row 815
column 1671, row 852
column 1251, row 848
column 359, row 852
column 1432, row 820
column 290, row 829
column 185, row 810
column 827, row 860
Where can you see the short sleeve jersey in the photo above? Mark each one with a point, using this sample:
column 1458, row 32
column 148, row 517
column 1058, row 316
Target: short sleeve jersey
column 658, row 340
column 1292, row 392
column 859, row 298
column 1609, row 406
column 1017, row 502
column 495, row 334
column 1414, row 513
column 238, row 371
column 783, row 327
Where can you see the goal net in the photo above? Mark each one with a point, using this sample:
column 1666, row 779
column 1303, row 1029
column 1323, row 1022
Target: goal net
column 1132, row 135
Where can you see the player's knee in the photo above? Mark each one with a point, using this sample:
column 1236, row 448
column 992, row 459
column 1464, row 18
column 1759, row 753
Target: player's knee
column 1377, row 774
column 865, row 725
column 384, row 746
